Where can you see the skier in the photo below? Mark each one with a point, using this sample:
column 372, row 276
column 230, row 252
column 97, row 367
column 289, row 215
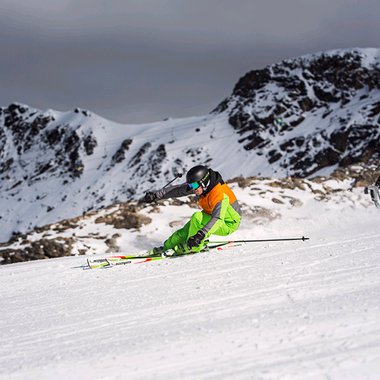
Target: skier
column 220, row 213
column 374, row 192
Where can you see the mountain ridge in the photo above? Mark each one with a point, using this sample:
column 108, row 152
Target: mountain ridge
column 338, row 89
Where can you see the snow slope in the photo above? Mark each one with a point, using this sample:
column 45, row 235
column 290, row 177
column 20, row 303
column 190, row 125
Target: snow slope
column 296, row 310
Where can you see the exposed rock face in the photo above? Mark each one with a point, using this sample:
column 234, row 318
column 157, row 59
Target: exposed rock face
column 312, row 112
column 37, row 250
column 125, row 217
column 119, row 156
column 29, row 131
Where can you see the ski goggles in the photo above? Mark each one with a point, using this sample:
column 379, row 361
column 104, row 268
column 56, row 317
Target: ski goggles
column 193, row 186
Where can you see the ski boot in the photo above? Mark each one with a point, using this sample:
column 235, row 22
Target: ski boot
column 183, row 249
column 156, row 251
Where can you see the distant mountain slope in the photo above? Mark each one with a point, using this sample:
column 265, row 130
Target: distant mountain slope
column 300, row 117
column 58, row 165
column 311, row 112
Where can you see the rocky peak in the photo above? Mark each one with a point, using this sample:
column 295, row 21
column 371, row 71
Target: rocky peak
column 310, row 112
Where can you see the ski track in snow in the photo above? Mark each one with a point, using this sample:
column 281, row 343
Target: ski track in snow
column 297, row 310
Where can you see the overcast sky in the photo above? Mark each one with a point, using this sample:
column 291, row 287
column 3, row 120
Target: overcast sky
column 135, row 61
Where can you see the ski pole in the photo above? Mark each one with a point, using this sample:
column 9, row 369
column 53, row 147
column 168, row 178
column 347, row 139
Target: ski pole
column 176, row 176
column 179, row 175
column 303, row 238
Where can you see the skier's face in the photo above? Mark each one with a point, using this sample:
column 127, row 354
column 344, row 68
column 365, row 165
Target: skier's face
column 199, row 191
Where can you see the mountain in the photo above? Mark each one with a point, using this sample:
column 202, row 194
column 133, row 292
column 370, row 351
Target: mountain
column 301, row 117
column 312, row 112
column 59, row 165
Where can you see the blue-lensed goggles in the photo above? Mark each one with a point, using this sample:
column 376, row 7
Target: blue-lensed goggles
column 193, row 185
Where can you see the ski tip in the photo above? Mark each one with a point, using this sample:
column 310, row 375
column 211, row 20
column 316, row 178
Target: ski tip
column 109, row 263
column 97, row 263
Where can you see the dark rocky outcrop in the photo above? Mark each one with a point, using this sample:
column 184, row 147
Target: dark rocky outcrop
column 37, row 250
column 119, row 156
column 266, row 105
column 127, row 217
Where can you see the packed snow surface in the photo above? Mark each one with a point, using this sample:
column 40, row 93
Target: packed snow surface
column 290, row 310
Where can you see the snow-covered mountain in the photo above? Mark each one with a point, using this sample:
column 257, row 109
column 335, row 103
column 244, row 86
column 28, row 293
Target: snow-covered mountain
column 60, row 165
column 302, row 117
column 309, row 113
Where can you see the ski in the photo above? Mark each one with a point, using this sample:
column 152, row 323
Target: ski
column 97, row 263
column 108, row 262
column 133, row 260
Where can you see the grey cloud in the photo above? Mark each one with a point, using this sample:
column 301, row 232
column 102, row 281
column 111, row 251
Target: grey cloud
column 143, row 60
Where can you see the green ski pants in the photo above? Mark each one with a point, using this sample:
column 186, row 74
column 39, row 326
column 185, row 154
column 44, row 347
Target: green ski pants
column 198, row 220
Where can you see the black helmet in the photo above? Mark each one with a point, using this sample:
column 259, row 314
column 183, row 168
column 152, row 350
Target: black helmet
column 198, row 174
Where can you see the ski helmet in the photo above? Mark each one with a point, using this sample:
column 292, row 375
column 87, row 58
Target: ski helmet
column 198, row 176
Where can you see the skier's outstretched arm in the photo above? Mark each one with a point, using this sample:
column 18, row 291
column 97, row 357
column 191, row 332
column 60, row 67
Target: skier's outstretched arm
column 168, row 192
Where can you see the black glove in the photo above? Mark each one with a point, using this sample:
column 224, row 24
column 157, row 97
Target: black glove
column 195, row 240
column 150, row 197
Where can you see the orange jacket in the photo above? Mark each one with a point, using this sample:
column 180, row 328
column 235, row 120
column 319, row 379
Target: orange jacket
column 216, row 195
